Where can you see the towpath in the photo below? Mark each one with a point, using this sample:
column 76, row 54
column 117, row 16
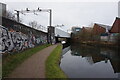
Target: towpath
column 34, row 66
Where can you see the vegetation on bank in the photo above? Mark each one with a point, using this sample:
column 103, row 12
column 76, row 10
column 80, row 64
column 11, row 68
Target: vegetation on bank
column 10, row 62
column 100, row 44
column 52, row 64
column 89, row 38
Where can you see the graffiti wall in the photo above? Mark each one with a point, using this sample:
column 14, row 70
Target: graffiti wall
column 11, row 40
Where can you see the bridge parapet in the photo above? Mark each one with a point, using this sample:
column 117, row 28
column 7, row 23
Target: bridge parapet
column 61, row 33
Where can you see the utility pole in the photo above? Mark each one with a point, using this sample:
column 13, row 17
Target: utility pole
column 18, row 17
column 51, row 30
column 50, row 17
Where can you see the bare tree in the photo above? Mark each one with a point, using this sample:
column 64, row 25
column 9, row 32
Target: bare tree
column 33, row 24
column 10, row 15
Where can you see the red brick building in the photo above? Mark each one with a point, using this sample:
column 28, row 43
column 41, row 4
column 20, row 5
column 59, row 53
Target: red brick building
column 116, row 26
column 98, row 29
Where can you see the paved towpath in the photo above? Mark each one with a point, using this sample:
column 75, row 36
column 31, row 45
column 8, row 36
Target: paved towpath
column 34, row 66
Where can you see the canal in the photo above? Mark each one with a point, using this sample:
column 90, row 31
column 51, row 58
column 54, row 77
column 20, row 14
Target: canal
column 83, row 61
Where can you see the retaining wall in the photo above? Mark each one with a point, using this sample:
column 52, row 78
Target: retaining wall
column 15, row 36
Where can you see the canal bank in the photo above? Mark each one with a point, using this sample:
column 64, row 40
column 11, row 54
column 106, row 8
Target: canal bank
column 99, row 44
column 103, row 44
column 52, row 67
column 84, row 61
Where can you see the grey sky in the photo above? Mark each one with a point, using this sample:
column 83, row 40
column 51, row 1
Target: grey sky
column 69, row 13
column 119, row 9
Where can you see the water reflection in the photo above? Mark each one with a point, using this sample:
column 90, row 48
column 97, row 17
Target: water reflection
column 82, row 61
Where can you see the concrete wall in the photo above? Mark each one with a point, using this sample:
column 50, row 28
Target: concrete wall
column 16, row 37
column 2, row 9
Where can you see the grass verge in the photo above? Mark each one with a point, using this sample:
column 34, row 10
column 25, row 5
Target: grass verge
column 52, row 64
column 12, row 61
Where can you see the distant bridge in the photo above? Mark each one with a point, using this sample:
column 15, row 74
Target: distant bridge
column 61, row 35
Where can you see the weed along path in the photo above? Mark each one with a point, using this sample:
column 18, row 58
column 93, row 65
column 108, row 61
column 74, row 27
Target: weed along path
column 34, row 66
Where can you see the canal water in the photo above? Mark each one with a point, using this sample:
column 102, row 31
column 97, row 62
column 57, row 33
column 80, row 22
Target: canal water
column 83, row 61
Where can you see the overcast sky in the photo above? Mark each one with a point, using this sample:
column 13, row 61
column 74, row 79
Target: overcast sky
column 69, row 13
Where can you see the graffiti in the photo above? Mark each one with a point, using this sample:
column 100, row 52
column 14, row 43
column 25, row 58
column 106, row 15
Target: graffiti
column 5, row 40
column 19, row 40
column 11, row 41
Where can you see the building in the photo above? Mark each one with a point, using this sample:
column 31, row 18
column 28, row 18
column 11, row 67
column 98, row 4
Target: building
column 115, row 30
column 74, row 33
column 2, row 9
column 98, row 29
column 116, row 26
column 76, row 29
column 101, row 32
column 87, row 29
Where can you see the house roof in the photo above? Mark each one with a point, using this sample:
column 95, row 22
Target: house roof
column 87, row 29
column 116, row 26
column 104, row 26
